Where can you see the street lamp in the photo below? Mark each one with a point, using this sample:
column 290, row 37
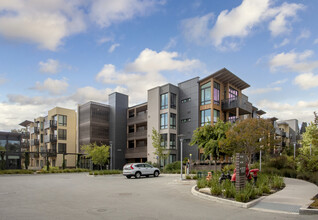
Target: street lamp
column 181, row 142
column 294, row 150
column 190, row 163
column 111, row 156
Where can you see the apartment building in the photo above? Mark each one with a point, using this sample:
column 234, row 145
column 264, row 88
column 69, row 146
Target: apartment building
column 53, row 138
column 290, row 131
column 11, row 154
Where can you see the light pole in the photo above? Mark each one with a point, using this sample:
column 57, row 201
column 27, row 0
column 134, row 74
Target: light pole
column 294, row 151
column 190, row 163
column 181, row 142
column 111, row 156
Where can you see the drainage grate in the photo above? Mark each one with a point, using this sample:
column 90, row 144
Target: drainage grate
column 278, row 207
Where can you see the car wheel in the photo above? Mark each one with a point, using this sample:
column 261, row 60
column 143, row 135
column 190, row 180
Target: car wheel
column 137, row 175
column 156, row 174
column 128, row 177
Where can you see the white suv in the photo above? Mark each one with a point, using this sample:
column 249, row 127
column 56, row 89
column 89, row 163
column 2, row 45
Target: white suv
column 140, row 169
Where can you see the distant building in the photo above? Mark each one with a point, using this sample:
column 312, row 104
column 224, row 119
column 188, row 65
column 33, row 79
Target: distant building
column 12, row 144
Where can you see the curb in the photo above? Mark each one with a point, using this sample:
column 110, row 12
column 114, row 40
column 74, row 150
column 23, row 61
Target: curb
column 225, row 201
column 306, row 211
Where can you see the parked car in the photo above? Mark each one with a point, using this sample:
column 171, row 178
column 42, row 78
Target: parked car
column 140, row 169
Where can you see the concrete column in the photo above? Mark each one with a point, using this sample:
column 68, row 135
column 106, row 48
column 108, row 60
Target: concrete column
column 237, row 113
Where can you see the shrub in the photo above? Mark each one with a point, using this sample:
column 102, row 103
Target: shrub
column 277, row 182
column 194, row 177
column 228, row 168
column 216, row 188
column 229, row 190
column 188, row 177
column 172, row 166
column 287, row 172
column 202, row 183
column 16, row 172
column 270, row 170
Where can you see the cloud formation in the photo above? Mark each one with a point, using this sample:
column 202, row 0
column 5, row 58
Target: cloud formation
column 113, row 47
column 306, row 80
column 52, row 86
column 240, row 22
column 50, row 66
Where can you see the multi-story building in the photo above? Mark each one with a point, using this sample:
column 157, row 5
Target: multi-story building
column 290, row 129
column 53, row 138
column 11, row 154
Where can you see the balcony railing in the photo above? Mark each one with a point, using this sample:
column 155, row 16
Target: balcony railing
column 25, row 144
column 238, row 102
column 138, row 152
column 50, row 138
column 34, row 130
column 50, row 124
column 138, row 134
column 140, row 117
column 35, row 142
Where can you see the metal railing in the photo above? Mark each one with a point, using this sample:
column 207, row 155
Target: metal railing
column 237, row 102
column 138, row 134
column 35, row 142
column 50, row 138
column 50, row 124
column 140, row 117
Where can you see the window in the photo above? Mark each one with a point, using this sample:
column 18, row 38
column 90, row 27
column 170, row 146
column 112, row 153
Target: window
column 173, row 138
column 62, row 134
column 216, row 93
column 172, row 158
column 232, row 118
column 185, row 120
column 164, row 121
column 173, row 100
column 232, row 94
column 206, row 94
column 63, row 120
column 41, row 138
column 173, row 121
column 62, row 148
column 205, row 116
column 186, row 100
column 164, row 101
column 216, row 115
column 163, row 140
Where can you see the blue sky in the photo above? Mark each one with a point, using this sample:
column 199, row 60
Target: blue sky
column 64, row 52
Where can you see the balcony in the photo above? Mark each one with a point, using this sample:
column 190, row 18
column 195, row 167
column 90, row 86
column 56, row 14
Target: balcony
column 35, row 142
column 242, row 103
column 25, row 144
column 52, row 124
column 139, row 118
column 138, row 152
column 34, row 130
column 50, row 138
column 137, row 135
column 26, row 135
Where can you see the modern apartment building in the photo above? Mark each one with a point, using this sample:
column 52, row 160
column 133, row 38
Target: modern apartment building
column 172, row 110
column 53, row 138
column 290, row 129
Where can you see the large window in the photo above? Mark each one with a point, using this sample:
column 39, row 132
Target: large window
column 205, row 116
column 216, row 93
column 164, row 101
column 173, row 121
column 173, row 138
column 232, row 94
column 61, row 148
column 63, row 120
column 172, row 158
column 206, row 93
column 62, row 134
column 173, row 100
column 216, row 115
column 163, row 140
column 164, row 121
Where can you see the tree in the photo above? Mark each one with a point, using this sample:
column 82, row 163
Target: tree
column 209, row 137
column 160, row 150
column 310, row 137
column 98, row 154
column 248, row 136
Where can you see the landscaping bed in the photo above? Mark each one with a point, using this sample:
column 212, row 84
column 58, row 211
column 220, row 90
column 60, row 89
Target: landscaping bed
column 265, row 185
column 314, row 205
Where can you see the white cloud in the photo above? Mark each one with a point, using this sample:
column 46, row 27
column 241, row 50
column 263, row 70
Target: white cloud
column 89, row 93
column 265, row 90
column 44, row 23
column 307, row 80
column 278, row 82
column 152, row 61
column 113, row 47
column 316, row 41
column 50, row 66
column 53, row 86
column 197, row 29
column 303, row 35
column 240, row 22
column 107, row 12
column 302, row 110
column 280, row 25
column 105, row 40
column 171, row 44
column 283, row 43
column 293, row 61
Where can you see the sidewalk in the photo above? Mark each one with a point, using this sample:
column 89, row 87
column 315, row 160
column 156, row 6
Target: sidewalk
column 297, row 194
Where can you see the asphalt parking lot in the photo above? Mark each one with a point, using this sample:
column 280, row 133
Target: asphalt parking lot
column 80, row 196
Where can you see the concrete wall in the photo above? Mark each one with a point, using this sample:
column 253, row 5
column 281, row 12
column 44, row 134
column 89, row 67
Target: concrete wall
column 189, row 89
column 118, row 128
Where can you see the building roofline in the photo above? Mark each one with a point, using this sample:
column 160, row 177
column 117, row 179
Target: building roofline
column 137, row 105
column 95, row 103
column 197, row 77
column 226, row 76
column 25, row 123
